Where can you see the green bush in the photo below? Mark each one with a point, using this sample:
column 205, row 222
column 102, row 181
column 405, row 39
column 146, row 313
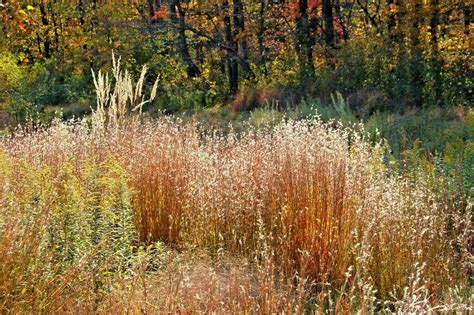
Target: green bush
column 61, row 230
column 44, row 86
column 11, row 75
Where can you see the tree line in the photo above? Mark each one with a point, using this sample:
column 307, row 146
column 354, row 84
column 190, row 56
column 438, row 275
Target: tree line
column 413, row 50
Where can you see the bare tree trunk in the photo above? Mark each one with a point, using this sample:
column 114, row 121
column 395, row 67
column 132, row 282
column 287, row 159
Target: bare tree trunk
column 328, row 17
column 179, row 22
column 304, row 43
column 232, row 65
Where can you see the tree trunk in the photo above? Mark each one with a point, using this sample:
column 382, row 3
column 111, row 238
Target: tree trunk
column 392, row 21
column 55, row 24
column 179, row 23
column 328, row 17
column 417, row 62
column 304, row 43
column 46, row 38
column 369, row 18
column 396, row 13
column 232, row 65
column 239, row 32
column 261, row 36
column 345, row 31
column 467, row 12
column 151, row 8
column 82, row 13
column 435, row 57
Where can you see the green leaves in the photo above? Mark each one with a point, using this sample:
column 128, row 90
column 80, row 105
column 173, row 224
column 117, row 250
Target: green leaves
column 58, row 223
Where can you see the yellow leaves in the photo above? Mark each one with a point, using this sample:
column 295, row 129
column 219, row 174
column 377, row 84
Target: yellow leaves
column 30, row 7
column 393, row 8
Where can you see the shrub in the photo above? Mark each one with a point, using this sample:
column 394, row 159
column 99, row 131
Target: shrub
column 61, row 231
column 10, row 77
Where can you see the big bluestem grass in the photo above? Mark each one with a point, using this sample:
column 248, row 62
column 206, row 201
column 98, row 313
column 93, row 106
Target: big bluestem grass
column 313, row 208
column 302, row 216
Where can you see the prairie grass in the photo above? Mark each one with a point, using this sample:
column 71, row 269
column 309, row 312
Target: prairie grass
column 129, row 215
column 309, row 216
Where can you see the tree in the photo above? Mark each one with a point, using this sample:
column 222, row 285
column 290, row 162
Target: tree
column 416, row 18
column 178, row 21
column 436, row 60
column 416, row 49
column 304, row 39
column 328, row 17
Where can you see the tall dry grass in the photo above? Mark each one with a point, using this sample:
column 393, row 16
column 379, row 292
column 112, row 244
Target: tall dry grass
column 302, row 216
column 313, row 201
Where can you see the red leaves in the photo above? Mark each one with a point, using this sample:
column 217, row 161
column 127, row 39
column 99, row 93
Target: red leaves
column 294, row 12
column 312, row 8
column 313, row 13
column 313, row 4
column 339, row 26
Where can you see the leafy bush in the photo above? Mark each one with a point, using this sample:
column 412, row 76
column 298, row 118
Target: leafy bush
column 10, row 77
column 46, row 86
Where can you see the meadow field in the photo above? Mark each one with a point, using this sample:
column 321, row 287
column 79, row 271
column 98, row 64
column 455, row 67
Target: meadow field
column 240, row 157
column 164, row 216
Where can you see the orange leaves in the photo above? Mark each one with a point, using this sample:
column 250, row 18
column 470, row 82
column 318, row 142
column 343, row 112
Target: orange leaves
column 19, row 25
column 313, row 4
column 22, row 13
column 161, row 13
column 393, row 8
column 22, row 18
column 16, row 17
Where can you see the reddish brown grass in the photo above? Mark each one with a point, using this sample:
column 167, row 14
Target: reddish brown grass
column 314, row 210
